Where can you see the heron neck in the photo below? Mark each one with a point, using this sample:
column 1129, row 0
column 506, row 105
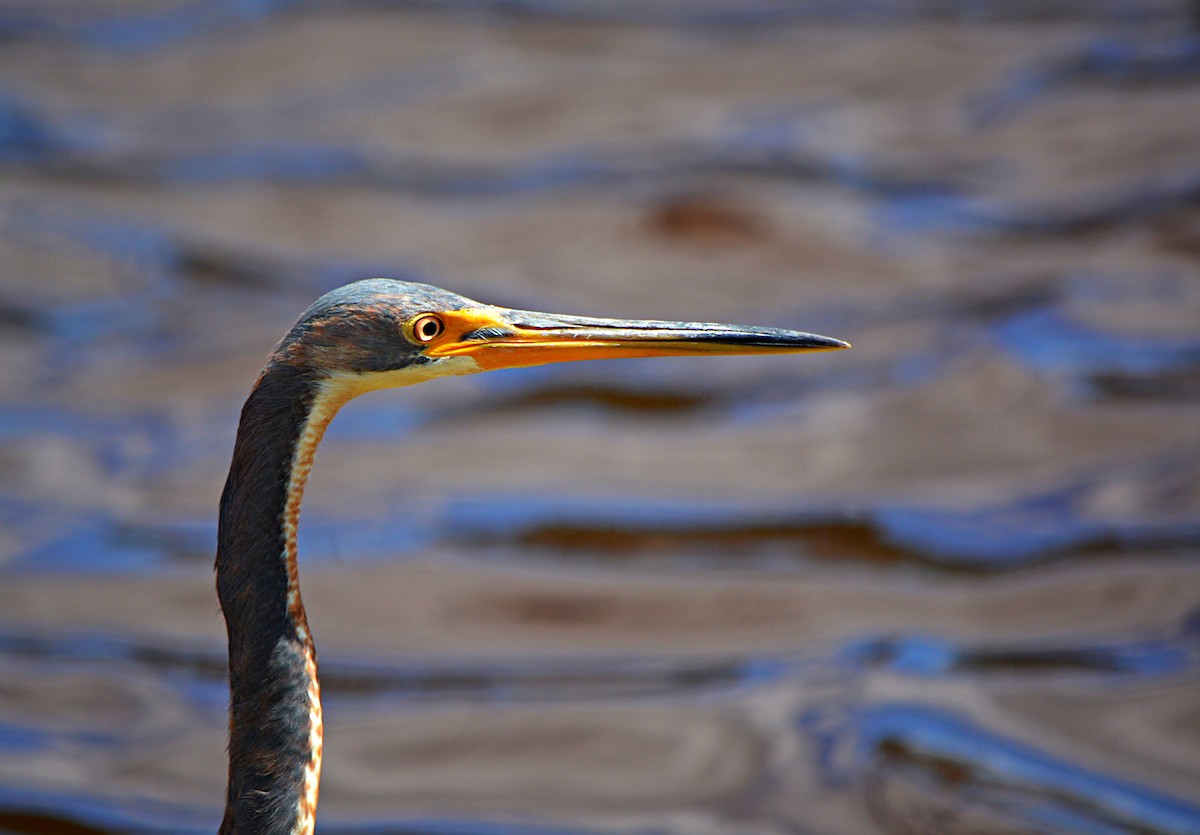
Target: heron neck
column 275, row 709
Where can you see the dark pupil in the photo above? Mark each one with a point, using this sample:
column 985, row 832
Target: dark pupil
column 429, row 329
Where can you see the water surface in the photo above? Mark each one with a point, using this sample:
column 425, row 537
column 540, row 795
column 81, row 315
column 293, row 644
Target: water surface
column 945, row 582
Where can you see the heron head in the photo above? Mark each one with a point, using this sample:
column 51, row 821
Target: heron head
column 383, row 333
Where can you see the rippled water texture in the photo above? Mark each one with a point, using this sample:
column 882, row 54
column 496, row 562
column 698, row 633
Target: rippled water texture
column 946, row 582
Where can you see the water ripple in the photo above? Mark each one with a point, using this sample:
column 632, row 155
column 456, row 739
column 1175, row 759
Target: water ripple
column 1107, row 60
column 156, row 29
column 1013, row 781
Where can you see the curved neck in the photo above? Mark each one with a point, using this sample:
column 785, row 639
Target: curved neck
column 275, row 726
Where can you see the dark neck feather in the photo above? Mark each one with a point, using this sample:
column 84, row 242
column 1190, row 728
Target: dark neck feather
column 269, row 735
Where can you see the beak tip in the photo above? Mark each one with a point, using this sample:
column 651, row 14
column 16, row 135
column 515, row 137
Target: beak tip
column 829, row 343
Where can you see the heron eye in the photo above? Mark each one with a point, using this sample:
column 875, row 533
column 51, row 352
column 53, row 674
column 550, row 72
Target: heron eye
column 427, row 327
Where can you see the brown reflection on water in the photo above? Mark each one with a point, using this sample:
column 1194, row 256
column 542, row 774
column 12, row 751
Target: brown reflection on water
column 945, row 582
column 823, row 541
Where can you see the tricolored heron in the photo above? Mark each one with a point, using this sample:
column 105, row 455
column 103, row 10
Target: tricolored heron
column 368, row 335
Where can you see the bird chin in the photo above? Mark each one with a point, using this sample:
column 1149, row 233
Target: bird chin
column 343, row 386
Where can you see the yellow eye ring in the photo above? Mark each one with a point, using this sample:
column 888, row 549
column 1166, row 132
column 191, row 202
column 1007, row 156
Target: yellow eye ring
column 427, row 327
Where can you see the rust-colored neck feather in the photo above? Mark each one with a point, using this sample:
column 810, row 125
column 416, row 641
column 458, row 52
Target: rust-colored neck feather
column 275, row 723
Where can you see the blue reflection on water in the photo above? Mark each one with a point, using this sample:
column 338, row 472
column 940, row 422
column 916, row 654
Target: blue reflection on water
column 18, row 739
column 929, row 656
column 1024, row 532
column 1008, row 536
column 992, row 537
column 194, row 670
column 130, row 816
column 185, row 18
column 64, row 811
column 1049, row 340
column 905, row 215
column 24, row 135
column 1010, row 778
column 292, row 163
column 155, row 29
column 1013, row 780
column 1105, row 60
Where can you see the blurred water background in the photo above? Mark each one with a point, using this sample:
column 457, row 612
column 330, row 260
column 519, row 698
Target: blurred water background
column 946, row 582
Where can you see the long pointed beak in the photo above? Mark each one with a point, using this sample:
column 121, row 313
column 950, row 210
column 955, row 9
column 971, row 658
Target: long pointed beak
column 500, row 338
